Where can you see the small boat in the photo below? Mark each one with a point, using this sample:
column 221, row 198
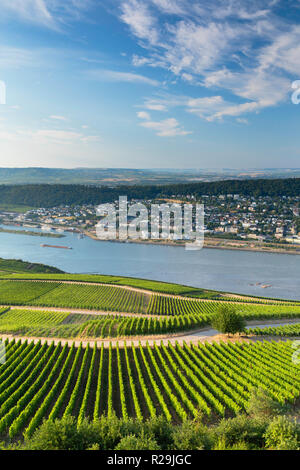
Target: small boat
column 57, row 246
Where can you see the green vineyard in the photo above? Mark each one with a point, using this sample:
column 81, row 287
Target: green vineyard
column 37, row 323
column 47, row 381
column 55, row 294
column 163, row 305
column 119, row 299
column 286, row 330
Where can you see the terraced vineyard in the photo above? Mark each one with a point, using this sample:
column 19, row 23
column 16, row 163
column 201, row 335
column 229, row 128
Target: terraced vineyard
column 37, row 323
column 55, row 294
column 162, row 305
column 119, row 299
column 40, row 381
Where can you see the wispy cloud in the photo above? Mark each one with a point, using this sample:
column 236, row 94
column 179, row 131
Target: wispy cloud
column 35, row 11
column 115, row 76
column 14, row 57
column 51, row 136
column 47, row 13
column 58, row 118
column 138, row 17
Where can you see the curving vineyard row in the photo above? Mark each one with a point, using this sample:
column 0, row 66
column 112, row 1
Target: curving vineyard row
column 162, row 305
column 40, row 381
column 285, row 330
column 36, row 323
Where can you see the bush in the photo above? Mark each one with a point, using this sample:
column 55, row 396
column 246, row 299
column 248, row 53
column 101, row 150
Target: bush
column 60, row 435
column 231, row 432
column 161, row 430
column 282, row 434
column 191, row 435
column 222, row 445
column 226, row 320
column 142, row 442
column 262, row 405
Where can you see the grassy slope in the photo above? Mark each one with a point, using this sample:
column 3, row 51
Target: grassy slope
column 12, row 266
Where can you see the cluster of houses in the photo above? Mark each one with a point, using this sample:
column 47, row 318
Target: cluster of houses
column 263, row 219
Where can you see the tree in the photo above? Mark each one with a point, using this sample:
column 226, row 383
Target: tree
column 227, row 320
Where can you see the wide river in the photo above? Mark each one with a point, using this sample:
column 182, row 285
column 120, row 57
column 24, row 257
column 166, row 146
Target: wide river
column 227, row 270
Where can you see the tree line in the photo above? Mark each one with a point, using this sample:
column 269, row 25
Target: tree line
column 52, row 195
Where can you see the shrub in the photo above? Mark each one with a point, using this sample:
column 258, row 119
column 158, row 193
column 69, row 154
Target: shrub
column 262, row 405
column 133, row 442
column 240, row 445
column 60, row 435
column 231, row 432
column 191, row 435
column 282, row 434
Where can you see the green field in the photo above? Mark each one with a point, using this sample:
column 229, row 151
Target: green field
column 41, row 381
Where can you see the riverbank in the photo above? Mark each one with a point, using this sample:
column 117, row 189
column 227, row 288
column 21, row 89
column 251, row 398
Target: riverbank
column 31, row 233
column 214, row 243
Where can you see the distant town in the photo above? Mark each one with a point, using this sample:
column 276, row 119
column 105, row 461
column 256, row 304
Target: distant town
column 227, row 217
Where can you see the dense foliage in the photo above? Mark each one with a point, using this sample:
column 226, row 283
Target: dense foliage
column 110, row 433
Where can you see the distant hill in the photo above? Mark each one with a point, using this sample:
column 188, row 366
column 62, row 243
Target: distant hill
column 47, row 195
column 116, row 176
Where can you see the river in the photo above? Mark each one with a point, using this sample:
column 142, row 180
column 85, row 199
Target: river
column 228, row 270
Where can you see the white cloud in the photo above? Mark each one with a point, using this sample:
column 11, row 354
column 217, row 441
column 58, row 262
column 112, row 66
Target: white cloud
column 143, row 115
column 166, row 128
column 170, row 6
column 215, row 107
column 58, row 118
column 137, row 16
column 114, row 76
column 242, row 120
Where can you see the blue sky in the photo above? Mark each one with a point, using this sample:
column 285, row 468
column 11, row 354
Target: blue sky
column 150, row 83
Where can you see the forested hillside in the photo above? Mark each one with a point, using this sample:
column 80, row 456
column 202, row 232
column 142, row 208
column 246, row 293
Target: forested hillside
column 43, row 195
